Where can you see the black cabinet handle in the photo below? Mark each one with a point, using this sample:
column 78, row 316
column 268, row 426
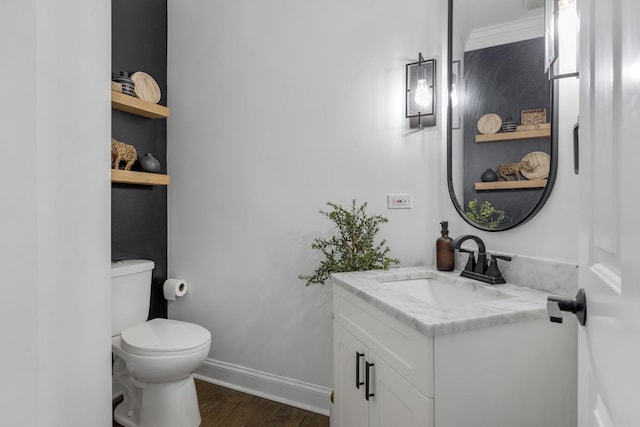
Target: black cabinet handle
column 577, row 305
column 358, row 382
column 367, row 380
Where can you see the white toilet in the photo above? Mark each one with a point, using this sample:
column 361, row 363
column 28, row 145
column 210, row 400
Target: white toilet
column 153, row 361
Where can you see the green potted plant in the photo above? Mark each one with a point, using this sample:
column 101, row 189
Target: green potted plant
column 353, row 247
column 488, row 216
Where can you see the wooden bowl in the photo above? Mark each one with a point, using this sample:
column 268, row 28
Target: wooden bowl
column 489, row 123
column 146, row 87
column 540, row 162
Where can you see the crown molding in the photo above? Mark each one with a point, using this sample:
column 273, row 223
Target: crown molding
column 510, row 32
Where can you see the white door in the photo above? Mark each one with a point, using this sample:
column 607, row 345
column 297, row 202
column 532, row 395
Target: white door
column 609, row 344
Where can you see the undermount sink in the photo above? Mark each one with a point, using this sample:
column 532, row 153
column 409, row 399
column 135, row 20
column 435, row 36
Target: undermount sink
column 445, row 294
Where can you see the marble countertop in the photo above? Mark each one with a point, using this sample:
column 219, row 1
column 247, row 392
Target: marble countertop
column 514, row 304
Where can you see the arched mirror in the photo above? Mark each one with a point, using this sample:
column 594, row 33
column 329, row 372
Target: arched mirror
column 501, row 139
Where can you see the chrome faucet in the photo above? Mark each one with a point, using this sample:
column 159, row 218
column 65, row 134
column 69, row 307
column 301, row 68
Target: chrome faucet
column 481, row 264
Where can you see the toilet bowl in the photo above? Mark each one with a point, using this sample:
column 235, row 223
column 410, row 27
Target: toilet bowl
column 154, row 360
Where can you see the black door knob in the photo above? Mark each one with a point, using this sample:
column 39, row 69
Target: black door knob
column 577, row 305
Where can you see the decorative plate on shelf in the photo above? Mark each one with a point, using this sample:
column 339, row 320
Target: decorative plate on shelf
column 146, row 87
column 489, row 123
column 539, row 165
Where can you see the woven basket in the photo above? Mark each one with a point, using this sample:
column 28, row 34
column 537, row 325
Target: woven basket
column 532, row 117
column 537, row 126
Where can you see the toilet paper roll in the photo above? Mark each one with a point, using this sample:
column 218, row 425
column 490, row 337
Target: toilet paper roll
column 174, row 288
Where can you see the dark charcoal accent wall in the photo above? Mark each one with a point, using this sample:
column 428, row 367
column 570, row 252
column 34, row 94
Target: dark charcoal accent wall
column 139, row 213
column 504, row 80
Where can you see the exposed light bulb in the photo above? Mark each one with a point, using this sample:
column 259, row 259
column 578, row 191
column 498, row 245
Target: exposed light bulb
column 454, row 95
column 632, row 71
column 423, row 93
column 567, row 37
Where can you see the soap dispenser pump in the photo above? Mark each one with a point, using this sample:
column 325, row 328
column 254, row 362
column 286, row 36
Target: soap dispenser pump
column 445, row 254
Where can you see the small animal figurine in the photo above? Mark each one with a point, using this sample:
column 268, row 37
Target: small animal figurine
column 121, row 152
column 506, row 169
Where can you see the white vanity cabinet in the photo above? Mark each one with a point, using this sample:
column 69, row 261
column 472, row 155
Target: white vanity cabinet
column 518, row 374
column 389, row 360
column 394, row 402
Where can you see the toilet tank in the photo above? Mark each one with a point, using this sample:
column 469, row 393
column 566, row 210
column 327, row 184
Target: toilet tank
column 130, row 293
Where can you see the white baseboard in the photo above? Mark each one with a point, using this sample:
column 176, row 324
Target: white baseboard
column 291, row 392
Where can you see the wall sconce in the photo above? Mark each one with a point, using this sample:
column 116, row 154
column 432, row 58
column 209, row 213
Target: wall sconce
column 421, row 93
column 561, row 38
column 455, row 94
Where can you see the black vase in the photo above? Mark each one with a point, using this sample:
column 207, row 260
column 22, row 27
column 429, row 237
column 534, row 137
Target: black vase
column 489, row 176
column 149, row 163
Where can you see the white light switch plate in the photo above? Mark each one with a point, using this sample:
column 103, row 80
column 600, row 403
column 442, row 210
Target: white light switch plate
column 399, row 201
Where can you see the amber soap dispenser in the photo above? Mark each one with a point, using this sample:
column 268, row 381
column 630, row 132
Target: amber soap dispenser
column 445, row 255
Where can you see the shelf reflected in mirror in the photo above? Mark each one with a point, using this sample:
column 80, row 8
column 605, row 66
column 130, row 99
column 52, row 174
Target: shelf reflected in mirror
column 501, row 111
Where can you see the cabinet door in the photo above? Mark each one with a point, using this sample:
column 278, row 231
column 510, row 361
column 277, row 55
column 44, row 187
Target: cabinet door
column 350, row 407
column 395, row 402
column 404, row 349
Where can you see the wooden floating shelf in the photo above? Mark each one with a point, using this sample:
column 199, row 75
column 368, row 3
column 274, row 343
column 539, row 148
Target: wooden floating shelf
column 133, row 105
column 510, row 136
column 140, row 178
column 511, row 185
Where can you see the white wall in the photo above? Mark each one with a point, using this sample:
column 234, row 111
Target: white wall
column 277, row 108
column 55, row 220
column 18, row 236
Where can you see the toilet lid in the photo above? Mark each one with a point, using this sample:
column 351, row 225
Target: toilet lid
column 163, row 335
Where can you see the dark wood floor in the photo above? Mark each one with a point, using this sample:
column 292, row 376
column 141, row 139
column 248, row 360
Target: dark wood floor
column 223, row 407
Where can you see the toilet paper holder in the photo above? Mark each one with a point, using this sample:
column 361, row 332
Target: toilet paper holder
column 174, row 288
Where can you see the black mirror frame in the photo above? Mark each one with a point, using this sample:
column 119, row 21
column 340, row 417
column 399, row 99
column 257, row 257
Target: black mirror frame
column 553, row 167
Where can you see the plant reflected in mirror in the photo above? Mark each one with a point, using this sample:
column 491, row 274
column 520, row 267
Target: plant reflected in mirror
column 487, row 216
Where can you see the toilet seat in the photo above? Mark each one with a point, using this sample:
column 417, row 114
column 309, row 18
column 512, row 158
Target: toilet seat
column 164, row 337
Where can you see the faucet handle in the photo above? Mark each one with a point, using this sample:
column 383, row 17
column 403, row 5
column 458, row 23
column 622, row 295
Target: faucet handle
column 471, row 262
column 494, row 270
